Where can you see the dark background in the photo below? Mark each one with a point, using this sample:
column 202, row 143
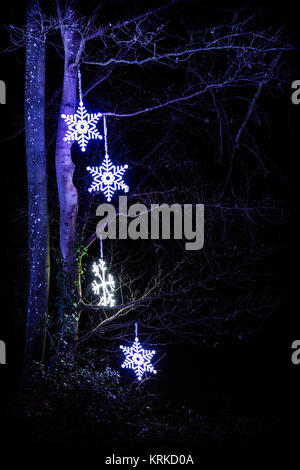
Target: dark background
column 253, row 376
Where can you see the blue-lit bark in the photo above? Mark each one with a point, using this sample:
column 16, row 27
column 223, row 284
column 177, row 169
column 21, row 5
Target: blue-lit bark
column 68, row 197
column 36, row 158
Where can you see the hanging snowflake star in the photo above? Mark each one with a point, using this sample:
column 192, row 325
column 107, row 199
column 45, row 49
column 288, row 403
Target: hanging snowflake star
column 82, row 126
column 138, row 359
column 105, row 287
column 108, row 178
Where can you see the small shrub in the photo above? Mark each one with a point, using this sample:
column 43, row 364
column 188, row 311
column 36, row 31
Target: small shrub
column 85, row 389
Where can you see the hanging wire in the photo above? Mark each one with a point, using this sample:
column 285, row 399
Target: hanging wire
column 105, row 135
column 101, row 247
column 79, row 84
column 136, row 329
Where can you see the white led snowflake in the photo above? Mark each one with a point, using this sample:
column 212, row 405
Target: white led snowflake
column 108, row 178
column 82, row 126
column 105, row 287
column 138, row 359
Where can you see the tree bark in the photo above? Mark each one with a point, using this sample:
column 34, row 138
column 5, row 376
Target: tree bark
column 36, row 159
column 68, row 196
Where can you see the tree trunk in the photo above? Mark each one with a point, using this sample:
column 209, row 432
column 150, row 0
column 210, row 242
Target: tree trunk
column 36, row 158
column 68, row 197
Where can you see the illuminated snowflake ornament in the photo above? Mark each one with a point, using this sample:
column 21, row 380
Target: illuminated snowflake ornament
column 105, row 287
column 82, row 126
column 108, row 178
column 138, row 359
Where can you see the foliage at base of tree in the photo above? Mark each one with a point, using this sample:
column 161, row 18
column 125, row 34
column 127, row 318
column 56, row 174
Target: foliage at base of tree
column 85, row 387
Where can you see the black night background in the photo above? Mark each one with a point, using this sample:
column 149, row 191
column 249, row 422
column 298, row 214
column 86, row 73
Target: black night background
column 223, row 326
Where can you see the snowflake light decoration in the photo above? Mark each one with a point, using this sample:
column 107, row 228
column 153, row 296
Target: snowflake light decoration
column 105, row 287
column 138, row 359
column 82, row 126
column 108, row 178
